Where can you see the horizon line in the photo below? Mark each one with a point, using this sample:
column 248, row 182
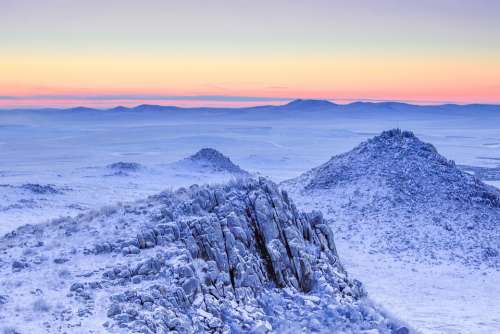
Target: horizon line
column 351, row 101
column 250, row 101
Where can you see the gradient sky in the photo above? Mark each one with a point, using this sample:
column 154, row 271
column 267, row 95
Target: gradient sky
column 234, row 52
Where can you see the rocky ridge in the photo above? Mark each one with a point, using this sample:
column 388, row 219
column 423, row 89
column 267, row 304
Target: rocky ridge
column 235, row 258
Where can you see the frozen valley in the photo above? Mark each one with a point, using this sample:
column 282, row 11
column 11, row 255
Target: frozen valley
column 420, row 232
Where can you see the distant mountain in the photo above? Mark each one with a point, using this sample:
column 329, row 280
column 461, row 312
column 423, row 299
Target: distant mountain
column 81, row 109
column 299, row 105
column 309, row 104
column 139, row 108
column 409, row 198
column 120, row 109
column 154, row 107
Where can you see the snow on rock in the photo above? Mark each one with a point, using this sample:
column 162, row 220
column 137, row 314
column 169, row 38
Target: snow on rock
column 122, row 166
column 35, row 188
column 28, row 196
column 235, row 258
column 398, row 194
column 41, row 188
column 211, row 160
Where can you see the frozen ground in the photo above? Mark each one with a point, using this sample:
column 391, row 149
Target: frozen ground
column 433, row 298
column 72, row 150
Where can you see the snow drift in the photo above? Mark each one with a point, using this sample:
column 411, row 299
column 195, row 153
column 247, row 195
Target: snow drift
column 400, row 195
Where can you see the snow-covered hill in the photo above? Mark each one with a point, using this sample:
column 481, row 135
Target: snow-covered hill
column 218, row 259
column 398, row 194
column 209, row 160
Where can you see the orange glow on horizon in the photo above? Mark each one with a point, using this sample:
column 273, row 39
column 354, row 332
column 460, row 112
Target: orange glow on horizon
column 464, row 79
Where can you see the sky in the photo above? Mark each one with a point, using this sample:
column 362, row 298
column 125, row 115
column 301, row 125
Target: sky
column 103, row 53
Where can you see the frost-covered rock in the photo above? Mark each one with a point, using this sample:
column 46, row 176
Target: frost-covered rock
column 402, row 196
column 19, row 265
column 237, row 258
column 41, row 189
column 122, row 166
column 212, row 160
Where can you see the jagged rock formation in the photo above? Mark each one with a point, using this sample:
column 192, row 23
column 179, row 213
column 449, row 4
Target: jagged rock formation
column 408, row 199
column 227, row 259
column 209, row 159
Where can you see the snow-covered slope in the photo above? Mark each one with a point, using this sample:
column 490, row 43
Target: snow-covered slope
column 221, row 259
column 398, row 194
column 84, row 188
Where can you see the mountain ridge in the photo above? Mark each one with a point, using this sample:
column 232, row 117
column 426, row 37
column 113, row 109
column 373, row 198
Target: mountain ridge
column 293, row 104
column 237, row 258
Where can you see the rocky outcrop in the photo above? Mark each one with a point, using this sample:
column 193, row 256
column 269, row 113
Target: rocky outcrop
column 234, row 246
column 235, row 258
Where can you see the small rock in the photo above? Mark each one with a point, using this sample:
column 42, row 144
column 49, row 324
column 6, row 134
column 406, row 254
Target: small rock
column 113, row 310
column 401, row 330
column 77, row 287
column 19, row 265
column 60, row 260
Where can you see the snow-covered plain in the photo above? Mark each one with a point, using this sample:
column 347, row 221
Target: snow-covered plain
column 71, row 155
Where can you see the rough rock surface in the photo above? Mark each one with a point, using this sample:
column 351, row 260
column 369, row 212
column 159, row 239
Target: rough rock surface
column 236, row 258
column 409, row 198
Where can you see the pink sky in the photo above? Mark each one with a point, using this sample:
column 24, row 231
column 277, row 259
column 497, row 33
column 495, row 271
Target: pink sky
column 61, row 54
